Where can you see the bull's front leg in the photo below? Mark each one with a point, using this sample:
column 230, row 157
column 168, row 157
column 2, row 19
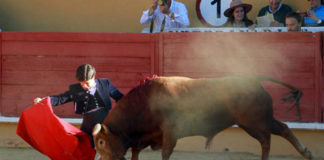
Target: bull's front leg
column 135, row 153
column 169, row 142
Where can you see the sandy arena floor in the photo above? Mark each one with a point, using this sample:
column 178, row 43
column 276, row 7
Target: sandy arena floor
column 31, row 154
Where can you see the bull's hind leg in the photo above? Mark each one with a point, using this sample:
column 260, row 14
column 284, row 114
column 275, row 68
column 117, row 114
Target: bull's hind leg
column 263, row 137
column 282, row 130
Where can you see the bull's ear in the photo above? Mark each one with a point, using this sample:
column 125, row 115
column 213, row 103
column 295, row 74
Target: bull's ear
column 96, row 129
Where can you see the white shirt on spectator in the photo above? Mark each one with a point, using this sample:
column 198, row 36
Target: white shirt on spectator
column 180, row 20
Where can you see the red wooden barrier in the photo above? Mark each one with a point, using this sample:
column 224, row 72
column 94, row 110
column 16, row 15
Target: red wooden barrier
column 293, row 58
column 41, row 64
column 1, row 110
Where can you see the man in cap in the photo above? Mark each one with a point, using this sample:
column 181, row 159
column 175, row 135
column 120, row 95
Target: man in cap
column 167, row 13
column 278, row 10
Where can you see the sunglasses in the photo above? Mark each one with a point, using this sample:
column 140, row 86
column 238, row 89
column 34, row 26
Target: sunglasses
column 162, row 2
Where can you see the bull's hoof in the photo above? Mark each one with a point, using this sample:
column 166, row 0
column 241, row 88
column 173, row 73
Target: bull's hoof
column 308, row 154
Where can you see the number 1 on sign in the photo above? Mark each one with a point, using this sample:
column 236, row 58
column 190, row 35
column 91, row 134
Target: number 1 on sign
column 218, row 8
column 211, row 12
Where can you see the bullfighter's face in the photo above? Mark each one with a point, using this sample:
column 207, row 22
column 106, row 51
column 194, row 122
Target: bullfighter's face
column 86, row 85
column 106, row 144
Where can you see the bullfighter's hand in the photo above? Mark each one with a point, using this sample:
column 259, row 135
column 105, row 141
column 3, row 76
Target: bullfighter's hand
column 37, row 100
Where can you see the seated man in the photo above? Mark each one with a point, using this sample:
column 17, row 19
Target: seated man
column 167, row 13
column 278, row 10
column 315, row 15
column 293, row 22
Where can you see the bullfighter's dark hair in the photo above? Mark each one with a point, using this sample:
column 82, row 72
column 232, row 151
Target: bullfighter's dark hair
column 294, row 15
column 85, row 72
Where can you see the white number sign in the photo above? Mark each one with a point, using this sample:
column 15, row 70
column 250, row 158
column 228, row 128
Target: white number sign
column 211, row 12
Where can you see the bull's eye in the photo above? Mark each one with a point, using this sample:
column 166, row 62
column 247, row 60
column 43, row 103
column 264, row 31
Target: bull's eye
column 101, row 142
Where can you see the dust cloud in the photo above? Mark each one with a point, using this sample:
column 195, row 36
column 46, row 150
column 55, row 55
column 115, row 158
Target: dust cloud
column 222, row 54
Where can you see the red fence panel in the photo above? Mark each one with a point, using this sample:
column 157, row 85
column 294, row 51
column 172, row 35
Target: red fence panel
column 1, row 110
column 293, row 58
column 41, row 64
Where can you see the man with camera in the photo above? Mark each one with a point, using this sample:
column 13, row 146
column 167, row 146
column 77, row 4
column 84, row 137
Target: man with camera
column 167, row 13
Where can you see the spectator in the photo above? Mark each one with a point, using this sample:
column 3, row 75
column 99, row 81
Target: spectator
column 278, row 10
column 167, row 13
column 315, row 15
column 91, row 97
column 237, row 14
column 293, row 22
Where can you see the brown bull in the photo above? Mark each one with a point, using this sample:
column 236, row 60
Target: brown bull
column 162, row 110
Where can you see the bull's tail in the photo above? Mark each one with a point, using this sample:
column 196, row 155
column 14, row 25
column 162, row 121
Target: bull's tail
column 294, row 95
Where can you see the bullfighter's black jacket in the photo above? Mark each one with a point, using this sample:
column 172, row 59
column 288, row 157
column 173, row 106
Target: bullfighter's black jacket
column 104, row 90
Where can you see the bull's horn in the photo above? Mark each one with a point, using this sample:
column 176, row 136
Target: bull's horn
column 105, row 128
column 96, row 129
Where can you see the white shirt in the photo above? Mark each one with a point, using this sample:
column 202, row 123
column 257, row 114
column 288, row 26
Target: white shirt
column 180, row 20
column 273, row 12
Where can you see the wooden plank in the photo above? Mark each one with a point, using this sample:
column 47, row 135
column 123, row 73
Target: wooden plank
column 277, row 74
column 78, row 37
column 161, row 55
column 156, row 56
column 318, row 75
column 76, row 49
column 247, row 65
column 1, row 90
column 67, row 77
column 208, row 50
column 63, row 63
column 294, row 79
column 256, row 38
